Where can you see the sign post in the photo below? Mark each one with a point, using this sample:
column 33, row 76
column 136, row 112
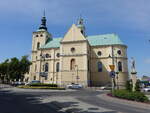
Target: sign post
column 112, row 75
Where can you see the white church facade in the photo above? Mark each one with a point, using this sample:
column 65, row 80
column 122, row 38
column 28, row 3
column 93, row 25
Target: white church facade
column 77, row 58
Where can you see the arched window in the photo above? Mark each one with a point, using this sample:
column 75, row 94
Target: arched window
column 119, row 66
column 46, row 67
column 72, row 64
column 38, row 45
column 57, row 67
column 100, row 67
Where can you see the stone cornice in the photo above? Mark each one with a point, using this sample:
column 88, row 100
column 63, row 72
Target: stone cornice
column 68, row 55
column 34, row 51
column 108, row 57
column 108, row 45
column 46, row 60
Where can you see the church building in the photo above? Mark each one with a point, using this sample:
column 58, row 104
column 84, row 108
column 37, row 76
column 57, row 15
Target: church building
column 76, row 57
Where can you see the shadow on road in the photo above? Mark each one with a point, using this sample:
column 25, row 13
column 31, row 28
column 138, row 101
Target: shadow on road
column 11, row 102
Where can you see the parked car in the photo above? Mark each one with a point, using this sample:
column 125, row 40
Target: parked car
column 32, row 82
column 74, row 86
column 146, row 89
column 17, row 83
column 106, row 87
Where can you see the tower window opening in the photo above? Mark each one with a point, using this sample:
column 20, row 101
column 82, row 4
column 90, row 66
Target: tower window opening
column 72, row 64
column 100, row 66
column 120, row 66
column 57, row 67
column 38, row 45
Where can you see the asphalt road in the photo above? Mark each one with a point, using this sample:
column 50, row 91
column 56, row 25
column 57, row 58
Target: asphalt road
column 23, row 103
column 14, row 100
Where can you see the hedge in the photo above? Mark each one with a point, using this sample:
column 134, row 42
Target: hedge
column 135, row 96
column 43, row 85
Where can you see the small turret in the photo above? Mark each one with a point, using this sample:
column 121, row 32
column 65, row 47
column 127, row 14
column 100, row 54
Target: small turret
column 81, row 26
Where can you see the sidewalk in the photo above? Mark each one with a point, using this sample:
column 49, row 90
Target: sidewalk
column 5, row 86
column 124, row 102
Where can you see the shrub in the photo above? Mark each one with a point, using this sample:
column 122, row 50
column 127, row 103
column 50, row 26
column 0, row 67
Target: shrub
column 129, row 85
column 135, row 96
column 43, row 85
column 137, row 86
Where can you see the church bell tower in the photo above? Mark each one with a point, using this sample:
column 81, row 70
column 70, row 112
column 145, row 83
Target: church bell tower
column 41, row 36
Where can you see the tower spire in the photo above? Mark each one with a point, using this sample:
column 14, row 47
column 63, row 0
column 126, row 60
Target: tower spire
column 44, row 13
column 80, row 25
column 43, row 24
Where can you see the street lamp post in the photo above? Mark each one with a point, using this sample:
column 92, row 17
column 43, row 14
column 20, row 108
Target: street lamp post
column 117, row 72
column 42, row 58
column 72, row 77
column 77, row 77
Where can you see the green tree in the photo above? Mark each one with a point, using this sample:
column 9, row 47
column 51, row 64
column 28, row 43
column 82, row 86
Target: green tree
column 24, row 66
column 14, row 69
column 14, row 72
column 4, row 71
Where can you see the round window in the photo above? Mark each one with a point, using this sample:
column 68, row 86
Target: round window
column 47, row 56
column 72, row 49
column 99, row 53
column 41, row 35
column 37, row 35
column 58, row 55
column 119, row 52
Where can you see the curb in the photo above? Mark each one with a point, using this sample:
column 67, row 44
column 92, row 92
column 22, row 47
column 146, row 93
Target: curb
column 124, row 102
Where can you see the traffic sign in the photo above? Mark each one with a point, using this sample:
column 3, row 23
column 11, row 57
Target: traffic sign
column 112, row 67
column 112, row 74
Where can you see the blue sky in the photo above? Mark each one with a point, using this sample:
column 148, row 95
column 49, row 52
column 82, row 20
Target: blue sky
column 130, row 19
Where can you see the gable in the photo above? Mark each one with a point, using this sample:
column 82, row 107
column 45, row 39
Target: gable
column 73, row 34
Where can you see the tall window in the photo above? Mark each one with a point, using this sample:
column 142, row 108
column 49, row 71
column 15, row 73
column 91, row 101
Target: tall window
column 46, row 67
column 34, row 78
column 100, row 67
column 35, row 67
column 72, row 64
column 88, row 65
column 38, row 45
column 57, row 67
column 119, row 66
